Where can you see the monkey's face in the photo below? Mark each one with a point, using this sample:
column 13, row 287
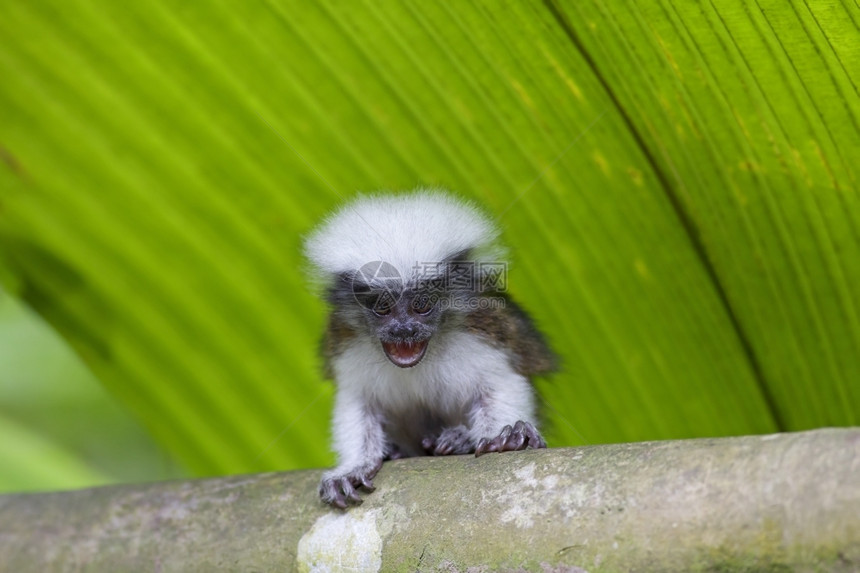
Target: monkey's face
column 401, row 315
column 403, row 322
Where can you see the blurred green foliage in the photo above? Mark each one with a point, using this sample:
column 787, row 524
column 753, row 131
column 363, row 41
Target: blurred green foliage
column 677, row 181
column 60, row 429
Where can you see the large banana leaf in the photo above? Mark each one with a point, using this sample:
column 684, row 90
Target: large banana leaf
column 31, row 462
column 59, row 428
column 677, row 181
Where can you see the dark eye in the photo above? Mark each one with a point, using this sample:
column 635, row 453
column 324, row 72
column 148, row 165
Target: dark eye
column 383, row 305
column 422, row 304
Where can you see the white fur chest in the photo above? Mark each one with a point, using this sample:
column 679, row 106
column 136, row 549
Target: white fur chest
column 456, row 370
column 462, row 381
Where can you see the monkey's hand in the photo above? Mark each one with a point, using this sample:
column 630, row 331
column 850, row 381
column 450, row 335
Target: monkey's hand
column 451, row 441
column 519, row 437
column 340, row 489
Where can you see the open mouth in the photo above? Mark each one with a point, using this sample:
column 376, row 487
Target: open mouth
column 405, row 354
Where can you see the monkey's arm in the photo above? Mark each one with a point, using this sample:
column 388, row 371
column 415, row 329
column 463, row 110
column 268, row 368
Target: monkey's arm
column 360, row 444
column 502, row 416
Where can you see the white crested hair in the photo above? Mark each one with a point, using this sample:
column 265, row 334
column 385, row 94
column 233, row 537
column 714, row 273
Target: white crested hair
column 417, row 227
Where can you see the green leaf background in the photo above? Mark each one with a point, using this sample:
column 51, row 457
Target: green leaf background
column 677, row 181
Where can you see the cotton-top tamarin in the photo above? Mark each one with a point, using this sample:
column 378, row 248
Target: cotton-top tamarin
column 429, row 354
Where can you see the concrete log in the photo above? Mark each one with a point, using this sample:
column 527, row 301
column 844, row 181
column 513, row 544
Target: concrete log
column 785, row 502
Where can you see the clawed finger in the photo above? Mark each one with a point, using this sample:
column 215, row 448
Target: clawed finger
column 519, row 437
column 341, row 493
column 516, row 441
column 442, row 450
column 366, row 483
column 535, row 439
column 484, row 445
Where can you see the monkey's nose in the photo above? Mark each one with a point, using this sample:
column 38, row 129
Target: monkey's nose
column 403, row 332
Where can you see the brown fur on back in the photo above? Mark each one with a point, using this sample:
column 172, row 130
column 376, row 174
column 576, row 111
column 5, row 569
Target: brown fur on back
column 511, row 329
